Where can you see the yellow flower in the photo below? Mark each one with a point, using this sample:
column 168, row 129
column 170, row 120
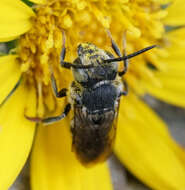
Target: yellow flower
column 143, row 143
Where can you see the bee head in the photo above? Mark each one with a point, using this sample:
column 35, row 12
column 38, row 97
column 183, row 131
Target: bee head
column 86, row 49
column 89, row 54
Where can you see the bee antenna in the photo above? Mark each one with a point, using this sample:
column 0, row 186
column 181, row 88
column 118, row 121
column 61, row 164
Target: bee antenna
column 130, row 55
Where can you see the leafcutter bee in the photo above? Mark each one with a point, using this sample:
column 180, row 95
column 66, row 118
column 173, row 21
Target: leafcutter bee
column 94, row 98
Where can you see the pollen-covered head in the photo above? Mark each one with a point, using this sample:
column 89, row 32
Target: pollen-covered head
column 92, row 53
column 89, row 54
column 87, row 49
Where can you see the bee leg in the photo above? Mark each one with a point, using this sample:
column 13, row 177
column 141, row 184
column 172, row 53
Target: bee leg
column 63, row 53
column 58, row 94
column 68, row 65
column 117, row 51
column 125, row 92
column 50, row 120
column 126, row 62
column 114, row 45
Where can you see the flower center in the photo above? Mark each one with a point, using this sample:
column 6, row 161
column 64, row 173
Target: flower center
column 86, row 21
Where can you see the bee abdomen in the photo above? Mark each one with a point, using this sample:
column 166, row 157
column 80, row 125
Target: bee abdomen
column 93, row 136
column 89, row 146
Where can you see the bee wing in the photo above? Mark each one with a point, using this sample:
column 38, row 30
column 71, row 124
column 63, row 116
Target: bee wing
column 93, row 142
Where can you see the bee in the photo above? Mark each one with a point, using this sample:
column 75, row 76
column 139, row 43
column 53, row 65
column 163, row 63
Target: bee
column 94, row 98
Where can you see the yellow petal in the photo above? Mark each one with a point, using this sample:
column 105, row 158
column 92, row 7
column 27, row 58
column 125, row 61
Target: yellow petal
column 10, row 74
column 172, row 79
column 176, row 42
column 145, row 147
column 54, row 166
column 16, row 134
column 38, row 1
column 172, row 90
column 176, row 13
column 14, row 19
column 8, row 39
